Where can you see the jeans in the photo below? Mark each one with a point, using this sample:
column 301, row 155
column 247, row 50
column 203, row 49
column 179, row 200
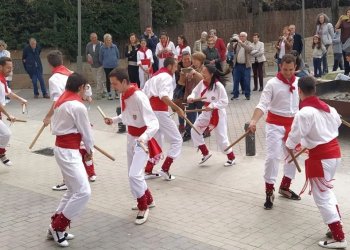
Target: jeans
column 338, row 61
column 241, row 74
column 37, row 75
column 108, row 82
column 324, row 61
column 317, row 67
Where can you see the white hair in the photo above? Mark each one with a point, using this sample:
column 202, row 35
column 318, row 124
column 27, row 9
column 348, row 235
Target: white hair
column 243, row 34
column 106, row 36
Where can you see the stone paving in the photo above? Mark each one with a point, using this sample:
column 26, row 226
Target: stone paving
column 206, row 207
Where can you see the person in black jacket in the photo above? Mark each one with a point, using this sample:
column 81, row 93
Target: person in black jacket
column 152, row 41
column 297, row 38
column 32, row 64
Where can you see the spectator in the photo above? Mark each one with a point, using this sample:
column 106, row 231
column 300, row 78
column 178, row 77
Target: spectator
column 165, row 48
column 152, row 41
column 344, row 25
column 92, row 55
column 181, row 47
column 109, row 56
column 318, row 50
column 337, row 51
column 301, row 69
column 32, row 64
column 202, row 43
column 5, row 53
column 297, row 39
column 258, row 59
column 131, row 54
column 344, row 77
column 144, row 61
column 324, row 29
column 284, row 45
column 231, row 47
column 242, row 66
column 211, row 54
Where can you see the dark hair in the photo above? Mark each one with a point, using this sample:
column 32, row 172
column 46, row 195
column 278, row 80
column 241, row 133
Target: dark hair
column 169, row 61
column 120, row 73
column 55, row 58
column 4, row 60
column 256, row 34
column 74, row 82
column 163, row 33
column 212, row 70
column 298, row 59
column 185, row 43
column 316, row 44
column 288, row 58
column 307, row 85
column 186, row 53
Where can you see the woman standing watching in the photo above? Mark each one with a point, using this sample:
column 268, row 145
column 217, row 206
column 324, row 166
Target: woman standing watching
column 258, row 59
column 182, row 45
column 131, row 54
column 284, row 45
column 144, row 62
column 344, row 25
column 324, row 29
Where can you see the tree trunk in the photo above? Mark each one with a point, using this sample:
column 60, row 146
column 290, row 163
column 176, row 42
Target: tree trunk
column 335, row 11
column 257, row 20
column 145, row 7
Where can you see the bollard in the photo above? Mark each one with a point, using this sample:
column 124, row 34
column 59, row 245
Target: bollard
column 249, row 142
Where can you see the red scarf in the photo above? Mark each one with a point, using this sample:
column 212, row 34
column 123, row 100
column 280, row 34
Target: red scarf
column 315, row 102
column 62, row 70
column 143, row 50
column 164, row 45
column 181, row 46
column 67, row 96
column 284, row 80
column 163, row 70
column 3, row 81
column 129, row 92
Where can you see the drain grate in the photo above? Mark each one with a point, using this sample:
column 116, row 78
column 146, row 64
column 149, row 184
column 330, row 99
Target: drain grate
column 45, row 151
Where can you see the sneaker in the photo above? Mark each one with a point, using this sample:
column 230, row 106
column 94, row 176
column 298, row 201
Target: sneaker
column 152, row 205
column 186, row 137
column 205, row 158
column 332, row 244
column 289, row 194
column 60, row 187
column 270, row 197
column 7, row 101
column 6, row 161
column 149, row 176
column 46, row 96
column 116, row 96
column 247, row 98
column 92, row 178
column 68, row 236
column 59, row 237
column 166, row 175
column 234, row 98
column 110, row 97
column 230, row 163
column 142, row 217
column 121, row 128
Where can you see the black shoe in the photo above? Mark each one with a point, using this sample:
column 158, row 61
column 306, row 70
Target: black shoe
column 270, row 197
column 289, row 194
column 247, row 97
column 261, row 89
column 255, row 89
column 121, row 128
column 186, row 137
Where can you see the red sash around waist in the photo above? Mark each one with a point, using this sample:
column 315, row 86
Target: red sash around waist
column 166, row 55
column 284, row 121
column 70, row 141
column 146, row 62
column 157, row 104
column 214, row 119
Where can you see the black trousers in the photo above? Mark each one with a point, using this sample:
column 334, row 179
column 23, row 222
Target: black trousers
column 258, row 73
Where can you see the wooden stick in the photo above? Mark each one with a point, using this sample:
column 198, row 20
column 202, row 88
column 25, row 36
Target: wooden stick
column 298, row 154
column 143, row 146
column 23, row 108
column 294, row 160
column 191, row 124
column 37, row 136
column 17, row 120
column 196, row 110
column 238, row 140
column 104, row 153
column 345, row 123
column 101, row 112
column 199, row 99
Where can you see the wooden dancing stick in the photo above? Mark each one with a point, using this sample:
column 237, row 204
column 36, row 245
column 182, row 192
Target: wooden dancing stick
column 17, row 120
column 24, row 108
column 238, row 140
column 345, row 122
column 143, row 146
column 294, row 160
column 104, row 153
column 37, row 136
column 199, row 99
column 191, row 124
column 101, row 112
column 298, row 154
column 196, row 110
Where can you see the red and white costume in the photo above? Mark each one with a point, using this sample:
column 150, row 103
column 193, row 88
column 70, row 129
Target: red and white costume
column 159, row 86
column 5, row 132
column 280, row 100
column 315, row 126
column 144, row 60
column 180, row 49
column 71, row 125
column 142, row 125
column 215, row 120
column 171, row 52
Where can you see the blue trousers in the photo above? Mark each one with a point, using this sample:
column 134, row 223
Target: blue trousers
column 241, row 74
column 37, row 75
column 317, row 67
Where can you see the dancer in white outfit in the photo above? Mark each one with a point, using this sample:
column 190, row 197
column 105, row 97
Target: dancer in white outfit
column 144, row 61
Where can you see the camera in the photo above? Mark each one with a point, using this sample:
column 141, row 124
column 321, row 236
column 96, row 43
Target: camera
column 234, row 39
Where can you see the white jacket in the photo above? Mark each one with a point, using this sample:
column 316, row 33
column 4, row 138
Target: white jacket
column 258, row 52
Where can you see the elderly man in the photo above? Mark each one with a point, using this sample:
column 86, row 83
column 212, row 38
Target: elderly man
column 297, row 39
column 242, row 66
column 201, row 44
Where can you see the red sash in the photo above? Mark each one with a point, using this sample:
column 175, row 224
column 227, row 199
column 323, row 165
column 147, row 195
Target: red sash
column 214, row 119
column 70, row 141
column 284, row 80
column 62, row 70
column 155, row 151
column 163, row 70
column 3, row 81
column 157, row 104
column 315, row 102
column 286, row 122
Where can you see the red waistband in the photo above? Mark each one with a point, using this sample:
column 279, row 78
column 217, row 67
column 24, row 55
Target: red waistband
column 145, row 62
column 279, row 120
column 71, row 141
column 166, row 55
column 135, row 131
column 329, row 150
column 157, row 104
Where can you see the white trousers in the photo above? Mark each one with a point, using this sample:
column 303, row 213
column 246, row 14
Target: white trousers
column 100, row 79
column 326, row 200
column 275, row 152
column 74, row 176
column 137, row 160
column 220, row 130
column 143, row 77
column 169, row 131
column 5, row 134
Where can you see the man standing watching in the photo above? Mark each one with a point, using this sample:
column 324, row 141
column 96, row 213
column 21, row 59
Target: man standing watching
column 297, row 39
column 152, row 41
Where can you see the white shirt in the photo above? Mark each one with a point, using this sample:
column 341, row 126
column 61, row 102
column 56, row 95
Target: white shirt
column 159, row 86
column 141, row 55
column 312, row 127
column 187, row 48
column 72, row 117
column 138, row 113
column 57, row 85
column 277, row 98
column 170, row 47
column 3, row 93
column 217, row 96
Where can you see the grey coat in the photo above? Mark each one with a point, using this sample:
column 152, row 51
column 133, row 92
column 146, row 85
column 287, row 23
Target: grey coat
column 94, row 54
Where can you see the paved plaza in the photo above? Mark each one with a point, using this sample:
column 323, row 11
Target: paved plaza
column 205, row 207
